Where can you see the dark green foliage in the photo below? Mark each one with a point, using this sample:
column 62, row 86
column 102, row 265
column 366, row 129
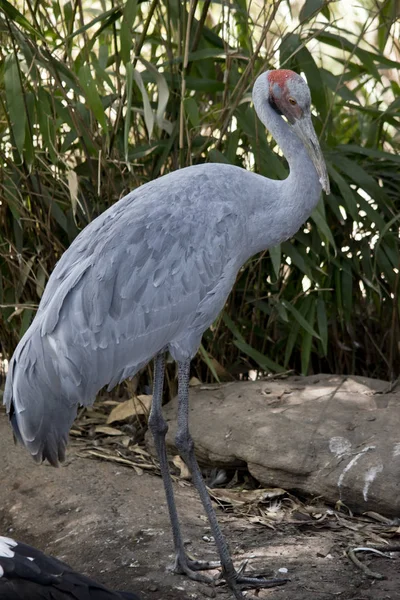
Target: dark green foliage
column 96, row 103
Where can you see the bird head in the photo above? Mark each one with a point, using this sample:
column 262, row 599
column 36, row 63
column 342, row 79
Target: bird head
column 289, row 95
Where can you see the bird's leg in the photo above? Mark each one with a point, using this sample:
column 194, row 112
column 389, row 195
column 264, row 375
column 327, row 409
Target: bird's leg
column 184, row 442
column 159, row 428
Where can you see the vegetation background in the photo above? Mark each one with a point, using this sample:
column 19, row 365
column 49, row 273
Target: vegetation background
column 97, row 98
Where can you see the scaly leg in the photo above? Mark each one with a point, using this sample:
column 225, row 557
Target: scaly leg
column 159, row 428
column 184, row 442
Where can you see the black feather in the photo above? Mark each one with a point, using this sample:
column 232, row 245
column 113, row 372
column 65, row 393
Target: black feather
column 29, row 574
column 274, row 106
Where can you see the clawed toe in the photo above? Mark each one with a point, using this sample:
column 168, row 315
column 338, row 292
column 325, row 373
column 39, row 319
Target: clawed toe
column 191, row 567
column 239, row 583
column 254, row 583
column 199, row 565
column 236, row 580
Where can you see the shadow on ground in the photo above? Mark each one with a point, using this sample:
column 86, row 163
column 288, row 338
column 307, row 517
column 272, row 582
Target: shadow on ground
column 113, row 525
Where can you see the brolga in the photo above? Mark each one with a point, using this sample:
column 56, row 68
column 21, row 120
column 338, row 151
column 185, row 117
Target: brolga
column 28, row 574
column 149, row 276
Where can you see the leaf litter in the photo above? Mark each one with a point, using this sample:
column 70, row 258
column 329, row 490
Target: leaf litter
column 114, row 431
column 240, row 498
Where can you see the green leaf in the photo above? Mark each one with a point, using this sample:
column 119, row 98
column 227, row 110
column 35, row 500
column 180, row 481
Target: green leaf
column 29, row 150
column 383, row 236
column 200, row 84
column 148, row 113
column 14, row 201
column 322, row 324
column 263, row 361
column 233, row 328
column 296, row 257
column 163, row 95
column 388, row 14
column 15, row 102
column 107, row 18
column 347, row 293
column 319, row 218
column 27, row 317
column 326, row 12
column 291, row 341
column 89, row 89
column 126, row 35
column 232, row 146
column 346, row 191
column 46, row 124
column 275, row 253
column 243, row 25
column 306, row 343
column 24, row 273
column 208, row 362
column 216, row 156
column 56, row 212
column 127, row 123
column 371, row 152
column 360, row 177
column 14, row 14
column 342, row 42
column 338, row 292
column 310, row 9
column 144, row 150
column 192, row 110
column 314, row 80
column 300, row 319
column 337, row 83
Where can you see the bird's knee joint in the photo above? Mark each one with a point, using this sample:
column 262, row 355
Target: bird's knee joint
column 158, row 426
column 184, row 443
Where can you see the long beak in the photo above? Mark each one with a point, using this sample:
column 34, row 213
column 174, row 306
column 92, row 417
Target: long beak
column 304, row 129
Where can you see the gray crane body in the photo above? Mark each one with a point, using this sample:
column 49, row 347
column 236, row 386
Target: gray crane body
column 151, row 274
column 152, row 271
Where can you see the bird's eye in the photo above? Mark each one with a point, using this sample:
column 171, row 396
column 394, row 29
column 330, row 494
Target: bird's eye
column 292, row 101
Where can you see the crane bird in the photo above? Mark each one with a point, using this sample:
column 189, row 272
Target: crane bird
column 150, row 275
column 28, row 574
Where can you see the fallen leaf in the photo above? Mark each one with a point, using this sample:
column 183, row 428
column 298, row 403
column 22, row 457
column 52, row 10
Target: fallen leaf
column 181, row 465
column 377, row 517
column 75, row 432
column 130, row 408
column 138, row 468
column 125, row 441
column 108, row 430
column 260, row 521
column 238, row 496
column 94, row 414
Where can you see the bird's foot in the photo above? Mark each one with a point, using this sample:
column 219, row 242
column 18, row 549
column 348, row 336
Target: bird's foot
column 255, row 583
column 189, row 566
column 238, row 582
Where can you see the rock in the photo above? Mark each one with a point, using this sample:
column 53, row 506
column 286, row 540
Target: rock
column 331, row 436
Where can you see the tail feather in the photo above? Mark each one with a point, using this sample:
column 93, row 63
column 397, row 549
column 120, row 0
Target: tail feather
column 51, row 446
column 39, row 424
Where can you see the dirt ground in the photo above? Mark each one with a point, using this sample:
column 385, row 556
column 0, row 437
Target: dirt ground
column 112, row 524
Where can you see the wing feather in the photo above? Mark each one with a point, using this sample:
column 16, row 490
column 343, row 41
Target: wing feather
column 145, row 275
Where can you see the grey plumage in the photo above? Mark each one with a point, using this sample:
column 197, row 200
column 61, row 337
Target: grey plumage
column 154, row 271
column 143, row 275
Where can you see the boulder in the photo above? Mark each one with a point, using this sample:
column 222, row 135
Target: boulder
column 332, row 436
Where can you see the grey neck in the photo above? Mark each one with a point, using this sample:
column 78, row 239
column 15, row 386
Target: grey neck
column 287, row 204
